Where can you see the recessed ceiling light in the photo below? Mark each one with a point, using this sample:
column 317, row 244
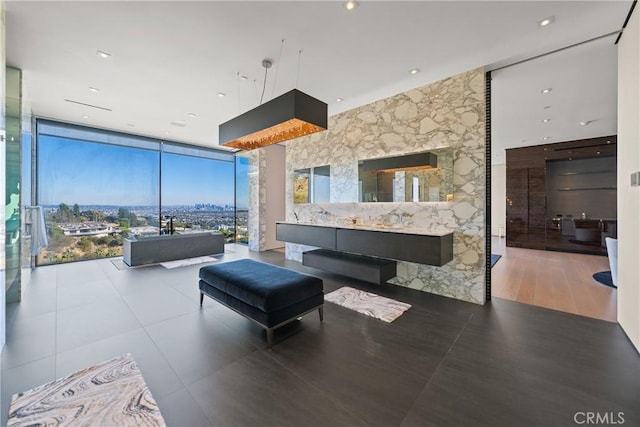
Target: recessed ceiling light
column 94, row 89
column 414, row 71
column 85, row 116
column 608, row 142
column 192, row 115
column 544, row 149
column 338, row 99
column 545, row 138
column 585, row 123
column 546, row 120
column 547, row 107
column 597, row 152
column 244, row 78
column 351, row 4
column 546, row 21
column 221, row 94
column 130, row 125
column 547, row 90
column 103, row 54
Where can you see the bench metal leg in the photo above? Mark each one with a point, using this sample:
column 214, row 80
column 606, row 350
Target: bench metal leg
column 201, row 298
column 269, row 337
column 321, row 312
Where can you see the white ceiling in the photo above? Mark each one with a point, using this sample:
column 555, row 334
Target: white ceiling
column 172, row 58
column 583, row 83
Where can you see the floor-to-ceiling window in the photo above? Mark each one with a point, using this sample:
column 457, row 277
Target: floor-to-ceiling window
column 97, row 188
column 242, row 199
column 197, row 191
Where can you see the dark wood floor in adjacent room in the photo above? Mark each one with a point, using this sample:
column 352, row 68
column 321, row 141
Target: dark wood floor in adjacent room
column 442, row 363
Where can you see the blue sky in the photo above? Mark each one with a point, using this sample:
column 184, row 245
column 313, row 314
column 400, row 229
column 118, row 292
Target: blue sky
column 73, row 171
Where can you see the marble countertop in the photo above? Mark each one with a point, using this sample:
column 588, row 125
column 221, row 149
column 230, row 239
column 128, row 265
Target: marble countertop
column 383, row 228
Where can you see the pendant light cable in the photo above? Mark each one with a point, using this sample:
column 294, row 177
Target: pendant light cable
column 255, row 86
column 266, row 63
column 238, row 82
column 275, row 78
column 264, row 84
column 298, row 72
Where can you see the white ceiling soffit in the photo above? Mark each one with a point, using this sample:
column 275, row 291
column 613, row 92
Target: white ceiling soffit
column 169, row 59
column 583, row 83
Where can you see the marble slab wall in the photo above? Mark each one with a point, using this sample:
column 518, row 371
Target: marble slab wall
column 447, row 113
column 257, row 199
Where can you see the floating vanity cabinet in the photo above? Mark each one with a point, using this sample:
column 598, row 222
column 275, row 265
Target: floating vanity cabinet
column 418, row 248
column 366, row 268
column 305, row 234
column 412, row 245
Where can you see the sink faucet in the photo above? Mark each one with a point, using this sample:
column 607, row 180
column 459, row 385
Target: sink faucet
column 296, row 215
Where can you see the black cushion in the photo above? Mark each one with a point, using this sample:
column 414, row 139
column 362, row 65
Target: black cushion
column 257, row 284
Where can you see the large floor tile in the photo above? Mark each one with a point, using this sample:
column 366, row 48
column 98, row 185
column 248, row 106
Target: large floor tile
column 179, row 409
column 83, row 293
column 197, row 345
column 162, row 304
column 352, row 373
column 93, row 322
column 157, row 373
column 144, row 281
column 26, row 345
column 81, row 271
column 256, row 391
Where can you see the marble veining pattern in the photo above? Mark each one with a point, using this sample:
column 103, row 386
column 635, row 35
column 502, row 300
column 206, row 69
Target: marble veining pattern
column 385, row 309
column 447, row 113
column 257, row 199
column 111, row 393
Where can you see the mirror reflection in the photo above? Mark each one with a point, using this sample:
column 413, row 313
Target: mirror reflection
column 312, row 185
column 419, row 177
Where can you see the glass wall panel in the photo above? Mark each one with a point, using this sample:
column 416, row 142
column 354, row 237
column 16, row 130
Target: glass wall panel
column 197, row 194
column 242, row 199
column 97, row 188
column 93, row 195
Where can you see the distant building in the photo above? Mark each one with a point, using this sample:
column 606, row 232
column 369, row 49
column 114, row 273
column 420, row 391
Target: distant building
column 144, row 231
column 88, row 229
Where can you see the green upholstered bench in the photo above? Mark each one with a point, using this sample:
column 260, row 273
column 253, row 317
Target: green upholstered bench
column 269, row 295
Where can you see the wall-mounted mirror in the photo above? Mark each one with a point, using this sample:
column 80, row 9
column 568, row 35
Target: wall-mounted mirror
column 312, row 185
column 419, row 177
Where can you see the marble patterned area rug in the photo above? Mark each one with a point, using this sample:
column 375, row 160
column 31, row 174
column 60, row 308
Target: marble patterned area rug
column 373, row 305
column 188, row 261
column 111, row 393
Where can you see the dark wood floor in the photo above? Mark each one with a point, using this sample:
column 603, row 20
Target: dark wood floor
column 442, row 363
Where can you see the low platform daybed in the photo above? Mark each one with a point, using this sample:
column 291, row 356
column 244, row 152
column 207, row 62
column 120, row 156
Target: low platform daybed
column 269, row 295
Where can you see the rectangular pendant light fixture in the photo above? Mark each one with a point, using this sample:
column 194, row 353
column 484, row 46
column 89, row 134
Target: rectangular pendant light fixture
column 426, row 160
column 288, row 116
